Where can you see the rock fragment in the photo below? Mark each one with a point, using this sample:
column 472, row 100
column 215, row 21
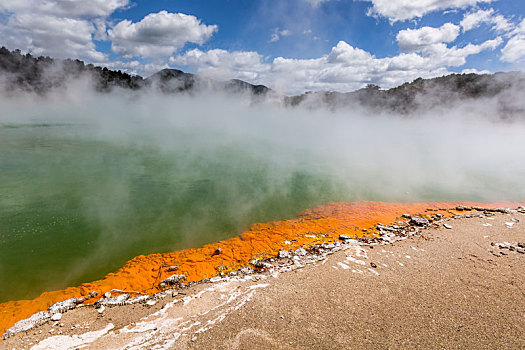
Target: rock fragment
column 56, row 317
column 25, row 325
column 419, row 221
column 513, row 247
column 463, row 208
column 138, row 299
column 172, row 280
column 328, row 246
column 151, row 302
column 284, row 254
column 63, row 306
column 478, row 208
column 300, row 252
column 247, row 270
column 160, row 295
column 113, row 301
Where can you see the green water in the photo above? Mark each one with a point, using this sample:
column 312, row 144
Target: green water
column 78, row 200
column 74, row 207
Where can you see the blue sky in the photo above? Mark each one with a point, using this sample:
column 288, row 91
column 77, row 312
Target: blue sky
column 290, row 45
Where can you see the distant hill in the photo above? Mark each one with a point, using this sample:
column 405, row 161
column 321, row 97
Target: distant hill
column 41, row 74
column 508, row 89
column 174, row 80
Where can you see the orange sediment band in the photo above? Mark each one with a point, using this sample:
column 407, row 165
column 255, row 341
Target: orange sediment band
column 316, row 225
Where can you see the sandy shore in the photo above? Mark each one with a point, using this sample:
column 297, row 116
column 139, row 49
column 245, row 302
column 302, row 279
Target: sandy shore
column 442, row 288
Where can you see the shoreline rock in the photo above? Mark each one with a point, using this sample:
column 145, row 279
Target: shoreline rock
column 386, row 234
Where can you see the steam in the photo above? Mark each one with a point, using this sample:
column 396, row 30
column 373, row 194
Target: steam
column 90, row 180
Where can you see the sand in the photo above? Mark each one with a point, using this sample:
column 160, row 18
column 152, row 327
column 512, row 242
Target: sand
column 320, row 224
column 443, row 288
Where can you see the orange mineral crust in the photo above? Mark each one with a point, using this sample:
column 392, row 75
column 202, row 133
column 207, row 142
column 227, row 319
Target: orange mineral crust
column 317, row 225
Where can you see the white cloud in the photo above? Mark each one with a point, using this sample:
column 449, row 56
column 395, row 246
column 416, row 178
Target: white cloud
column 400, row 10
column 315, row 3
column 134, row 66
column 416, row 39
column 475, row 71
column 222, row 65
column 474, row 19
column 432, row 51
column 68, row 28
column 347, row 55
column 441, row 55
column 65, row 8
column 158, row 34
column 58, row 28
column 277, row 34
column 514, row 50
column 344, row 68
column 427, row 47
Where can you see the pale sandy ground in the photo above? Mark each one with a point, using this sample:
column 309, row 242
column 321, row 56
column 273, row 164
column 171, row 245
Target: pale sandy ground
column 442, row 290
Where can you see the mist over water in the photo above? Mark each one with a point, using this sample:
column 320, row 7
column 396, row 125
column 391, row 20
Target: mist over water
column 88, row 181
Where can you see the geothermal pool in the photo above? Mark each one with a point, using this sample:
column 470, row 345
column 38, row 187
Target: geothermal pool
column 73, row 208
column 80, row 196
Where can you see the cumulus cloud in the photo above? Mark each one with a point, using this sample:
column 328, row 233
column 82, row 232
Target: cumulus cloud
column 65, row 8
column 222, row 65
column 58, row 28
column 48, row 35
column 430, row 44
column 344, row 68
column 400, row 10
column 68, row 28
column 514, row 50
column 440, row 54
column 158, row 34
column 347, row 55
column 417, row 39
column 475, row 19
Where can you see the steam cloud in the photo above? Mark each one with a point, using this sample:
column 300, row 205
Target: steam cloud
column 141, row 172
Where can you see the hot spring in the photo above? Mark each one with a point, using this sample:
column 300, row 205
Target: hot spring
column 88, row 183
